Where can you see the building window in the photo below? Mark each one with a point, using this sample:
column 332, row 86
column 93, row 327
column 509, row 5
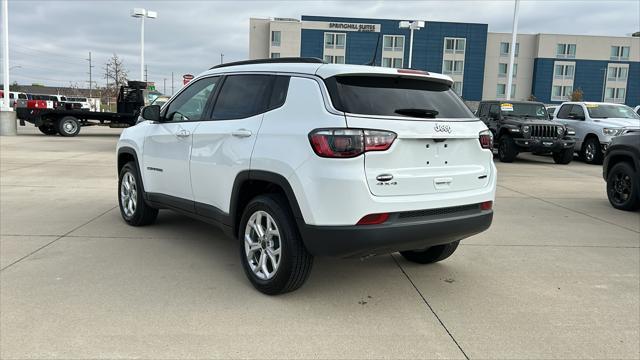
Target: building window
column 334, row 40
column 455, row 67
column 334, row 59
column 561, row 93
column 501, row 90
column 454, row 45
column 393, row 42
column 503, row 69
column 619, row 53
column 392, row 62
column 275, row 55
column 567, row 51
column 457, row 87
column 504, row 49
column 563, row 71
column 615, row 95
column 617, row 73
column 275, row 38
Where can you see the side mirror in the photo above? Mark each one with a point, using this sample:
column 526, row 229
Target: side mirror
column 151, row 112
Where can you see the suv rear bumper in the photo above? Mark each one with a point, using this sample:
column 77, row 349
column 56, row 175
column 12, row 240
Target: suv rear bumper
column 397, row 234
column 541, row 145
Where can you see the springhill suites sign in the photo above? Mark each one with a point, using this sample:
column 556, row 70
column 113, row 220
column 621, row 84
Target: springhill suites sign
column 352, row 27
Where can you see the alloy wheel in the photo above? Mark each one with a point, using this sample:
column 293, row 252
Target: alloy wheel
column 262, row 245
column 620, row 190
column 128, row 194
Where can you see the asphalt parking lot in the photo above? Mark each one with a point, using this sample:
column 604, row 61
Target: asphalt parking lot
column 556, row 276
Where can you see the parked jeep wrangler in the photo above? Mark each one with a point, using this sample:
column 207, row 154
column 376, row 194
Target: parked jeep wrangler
column 524, row 126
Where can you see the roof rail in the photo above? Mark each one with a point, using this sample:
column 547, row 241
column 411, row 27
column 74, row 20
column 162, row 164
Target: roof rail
column 283, row 60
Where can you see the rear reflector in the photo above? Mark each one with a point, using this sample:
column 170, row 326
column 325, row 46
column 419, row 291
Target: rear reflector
column 487, row 205
column 373, row 219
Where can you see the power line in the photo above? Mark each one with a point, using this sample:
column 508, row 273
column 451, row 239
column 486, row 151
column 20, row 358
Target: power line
column 57, row 54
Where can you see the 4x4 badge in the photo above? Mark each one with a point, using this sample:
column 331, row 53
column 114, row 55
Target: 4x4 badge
column 442, row 128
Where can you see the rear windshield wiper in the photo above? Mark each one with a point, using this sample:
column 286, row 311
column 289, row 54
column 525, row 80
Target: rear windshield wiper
column 423, row 113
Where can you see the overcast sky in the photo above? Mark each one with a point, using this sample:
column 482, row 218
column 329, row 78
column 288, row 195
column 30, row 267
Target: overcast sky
column 50, row 40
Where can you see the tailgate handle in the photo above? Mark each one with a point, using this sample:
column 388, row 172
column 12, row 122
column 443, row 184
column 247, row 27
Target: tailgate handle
column 443, row 181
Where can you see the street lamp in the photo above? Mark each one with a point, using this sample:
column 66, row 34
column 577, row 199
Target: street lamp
column 411, row 25
column 142, row 14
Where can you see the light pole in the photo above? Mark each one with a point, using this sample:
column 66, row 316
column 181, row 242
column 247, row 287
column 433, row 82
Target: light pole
column 411, row 25
column 512, row 50
column 8, row 125
column 142, row 14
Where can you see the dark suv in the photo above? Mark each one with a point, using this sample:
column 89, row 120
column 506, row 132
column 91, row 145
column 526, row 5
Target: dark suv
column 524, row 126
column 621, row 171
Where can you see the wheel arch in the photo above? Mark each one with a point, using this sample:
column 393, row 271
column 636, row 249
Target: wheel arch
column 618, row 157
column 251, row 183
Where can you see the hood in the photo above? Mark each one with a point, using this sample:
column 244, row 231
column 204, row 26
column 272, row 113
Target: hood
column 618, row 122
column 528, row 120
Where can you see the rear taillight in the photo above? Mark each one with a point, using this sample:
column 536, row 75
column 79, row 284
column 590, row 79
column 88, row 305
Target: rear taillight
column 487, row 205
column 373, row 219
column 348, row 143
column 486, row 139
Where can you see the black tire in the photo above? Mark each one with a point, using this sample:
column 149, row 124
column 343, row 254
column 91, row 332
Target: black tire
column 623, row 187
column 432, row 254
column 563, row 156
column 294, row 261
column 142, row 214
column 68, row 126
column 591, row 151
column 48, row 129
column 507, row 150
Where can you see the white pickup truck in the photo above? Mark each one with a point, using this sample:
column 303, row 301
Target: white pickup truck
column 595, row 124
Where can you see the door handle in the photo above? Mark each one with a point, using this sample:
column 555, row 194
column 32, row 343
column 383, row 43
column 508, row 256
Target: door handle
column 241, row 133
column 182, row 133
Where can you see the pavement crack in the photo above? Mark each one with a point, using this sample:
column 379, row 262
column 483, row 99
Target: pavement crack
column 58, row 238
column 430, row 307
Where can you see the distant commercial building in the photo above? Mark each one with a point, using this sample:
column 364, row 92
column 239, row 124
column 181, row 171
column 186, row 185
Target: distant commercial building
column 548, row 67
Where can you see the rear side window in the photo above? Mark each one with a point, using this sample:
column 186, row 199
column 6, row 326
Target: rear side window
column 484, row 110
column 242, row 96
column 396, row 96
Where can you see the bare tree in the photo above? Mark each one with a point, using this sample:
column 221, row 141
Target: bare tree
column 116, row 74
column 577, row 95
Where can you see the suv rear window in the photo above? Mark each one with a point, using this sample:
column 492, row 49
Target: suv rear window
column 416, row 99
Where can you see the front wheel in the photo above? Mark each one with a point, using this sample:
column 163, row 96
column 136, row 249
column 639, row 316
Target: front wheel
column 592, row 152
column 432, row 254
column 68, row 126
column 507, row 150
column 271, row 249
column 133, row 208
column 563, row 156
column 623, row 187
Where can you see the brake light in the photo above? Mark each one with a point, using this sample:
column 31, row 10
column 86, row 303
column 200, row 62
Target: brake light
column 411, row 71
column 373, row 219
column 486, row 139
column 348, row 143
column 487, row 205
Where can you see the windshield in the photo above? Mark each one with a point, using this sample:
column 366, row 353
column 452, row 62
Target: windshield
column 524, row 110
column 599, row 111
column 415, row 99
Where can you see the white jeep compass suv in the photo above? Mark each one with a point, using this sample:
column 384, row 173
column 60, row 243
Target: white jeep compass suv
column 297, row 158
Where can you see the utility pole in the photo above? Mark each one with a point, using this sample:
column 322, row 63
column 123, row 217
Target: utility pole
column 221, row 58
column 90, row 75
column 164, row 86
column 512, row 48
column 146, row 72
column 172, row 83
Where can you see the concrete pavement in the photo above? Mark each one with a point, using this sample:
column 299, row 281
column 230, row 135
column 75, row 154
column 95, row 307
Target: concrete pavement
column 556, row 276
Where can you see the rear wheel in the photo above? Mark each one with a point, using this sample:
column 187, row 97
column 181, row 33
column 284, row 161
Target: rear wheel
column 48, row 129
column 432, row 254
column 68, row 126
column 563, row 156
column 591, row 151
column 623, row 187
column 271, row 249
column 507, row 150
